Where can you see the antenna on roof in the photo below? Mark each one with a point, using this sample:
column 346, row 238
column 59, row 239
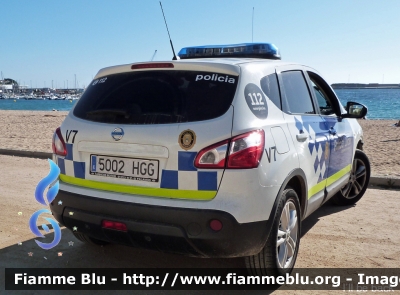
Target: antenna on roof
column 170, row 41
column 155, row 52
column 252, row 26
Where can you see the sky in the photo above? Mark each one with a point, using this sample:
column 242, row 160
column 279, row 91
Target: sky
column 48, row 43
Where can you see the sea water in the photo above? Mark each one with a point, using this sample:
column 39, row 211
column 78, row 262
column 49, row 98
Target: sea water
column 36, row 105
column 381, row 103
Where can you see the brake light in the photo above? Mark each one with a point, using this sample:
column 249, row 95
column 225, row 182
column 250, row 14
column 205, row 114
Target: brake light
column 240, row 152
column 114, row 225
column 213, row 156
column 245, row 150
column 152, row 66
column 58, row 145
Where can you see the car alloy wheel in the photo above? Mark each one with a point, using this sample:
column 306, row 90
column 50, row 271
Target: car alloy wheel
column 358, row 178
column 355, row 188
column 280, row 250
column 287, row 236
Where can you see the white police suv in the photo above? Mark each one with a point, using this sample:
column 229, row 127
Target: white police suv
column 221, row 153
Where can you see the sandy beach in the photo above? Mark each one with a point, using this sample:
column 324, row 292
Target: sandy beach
column 333, row 237
column 33, row 131
column 29, row 130
column 348, row 237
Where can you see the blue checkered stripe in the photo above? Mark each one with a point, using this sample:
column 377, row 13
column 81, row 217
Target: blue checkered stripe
column 187, row 177
column 70, row 167
column 318, row 145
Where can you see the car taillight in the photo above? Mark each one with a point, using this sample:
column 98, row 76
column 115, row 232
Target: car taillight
column 213, row 156
column 240, row 152
column 245, row 150
column 58, row 145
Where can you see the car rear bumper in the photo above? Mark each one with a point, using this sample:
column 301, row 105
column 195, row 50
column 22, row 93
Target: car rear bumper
column 175, row 230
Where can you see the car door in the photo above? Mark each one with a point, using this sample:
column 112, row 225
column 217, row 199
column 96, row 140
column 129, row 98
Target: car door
column 341, row 137
column 308, row 130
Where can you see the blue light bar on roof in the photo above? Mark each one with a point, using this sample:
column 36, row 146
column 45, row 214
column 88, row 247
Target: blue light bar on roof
column 253, row 50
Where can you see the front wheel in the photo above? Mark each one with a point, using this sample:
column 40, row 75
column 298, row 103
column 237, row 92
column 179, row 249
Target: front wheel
column 360, row 173
column 280, row 251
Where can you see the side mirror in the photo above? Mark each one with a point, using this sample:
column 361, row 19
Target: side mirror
column 355, row 110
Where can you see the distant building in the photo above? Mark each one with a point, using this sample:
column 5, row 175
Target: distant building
column 8, row 85
column 12, row 86
column 364, row 86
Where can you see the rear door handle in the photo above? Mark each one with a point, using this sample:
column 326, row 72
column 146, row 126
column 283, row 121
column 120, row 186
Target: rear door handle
column 301, row 136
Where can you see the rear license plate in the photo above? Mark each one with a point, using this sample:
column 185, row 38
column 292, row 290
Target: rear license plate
column 125, row 168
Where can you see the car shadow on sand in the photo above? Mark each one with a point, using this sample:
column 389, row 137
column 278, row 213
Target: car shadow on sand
column 327, row 209
column 72, row 253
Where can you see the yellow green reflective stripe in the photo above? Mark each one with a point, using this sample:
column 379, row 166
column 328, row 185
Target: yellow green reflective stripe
column 137, row 190
column 338, row 175
column 330, row 180
column 316, row 188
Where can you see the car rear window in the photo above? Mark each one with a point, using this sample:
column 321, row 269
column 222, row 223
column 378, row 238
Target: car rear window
column 157, row 97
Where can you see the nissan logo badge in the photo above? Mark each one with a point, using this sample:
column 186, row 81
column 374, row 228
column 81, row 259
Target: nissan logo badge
column 117, row 134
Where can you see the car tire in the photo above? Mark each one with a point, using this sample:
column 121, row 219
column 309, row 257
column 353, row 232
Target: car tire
column 87, row 239
column 353, row 191
column 284, row 237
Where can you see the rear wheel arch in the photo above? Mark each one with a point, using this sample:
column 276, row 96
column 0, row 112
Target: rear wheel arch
column 279, row 252
column 298, row 182
column 295, row 180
